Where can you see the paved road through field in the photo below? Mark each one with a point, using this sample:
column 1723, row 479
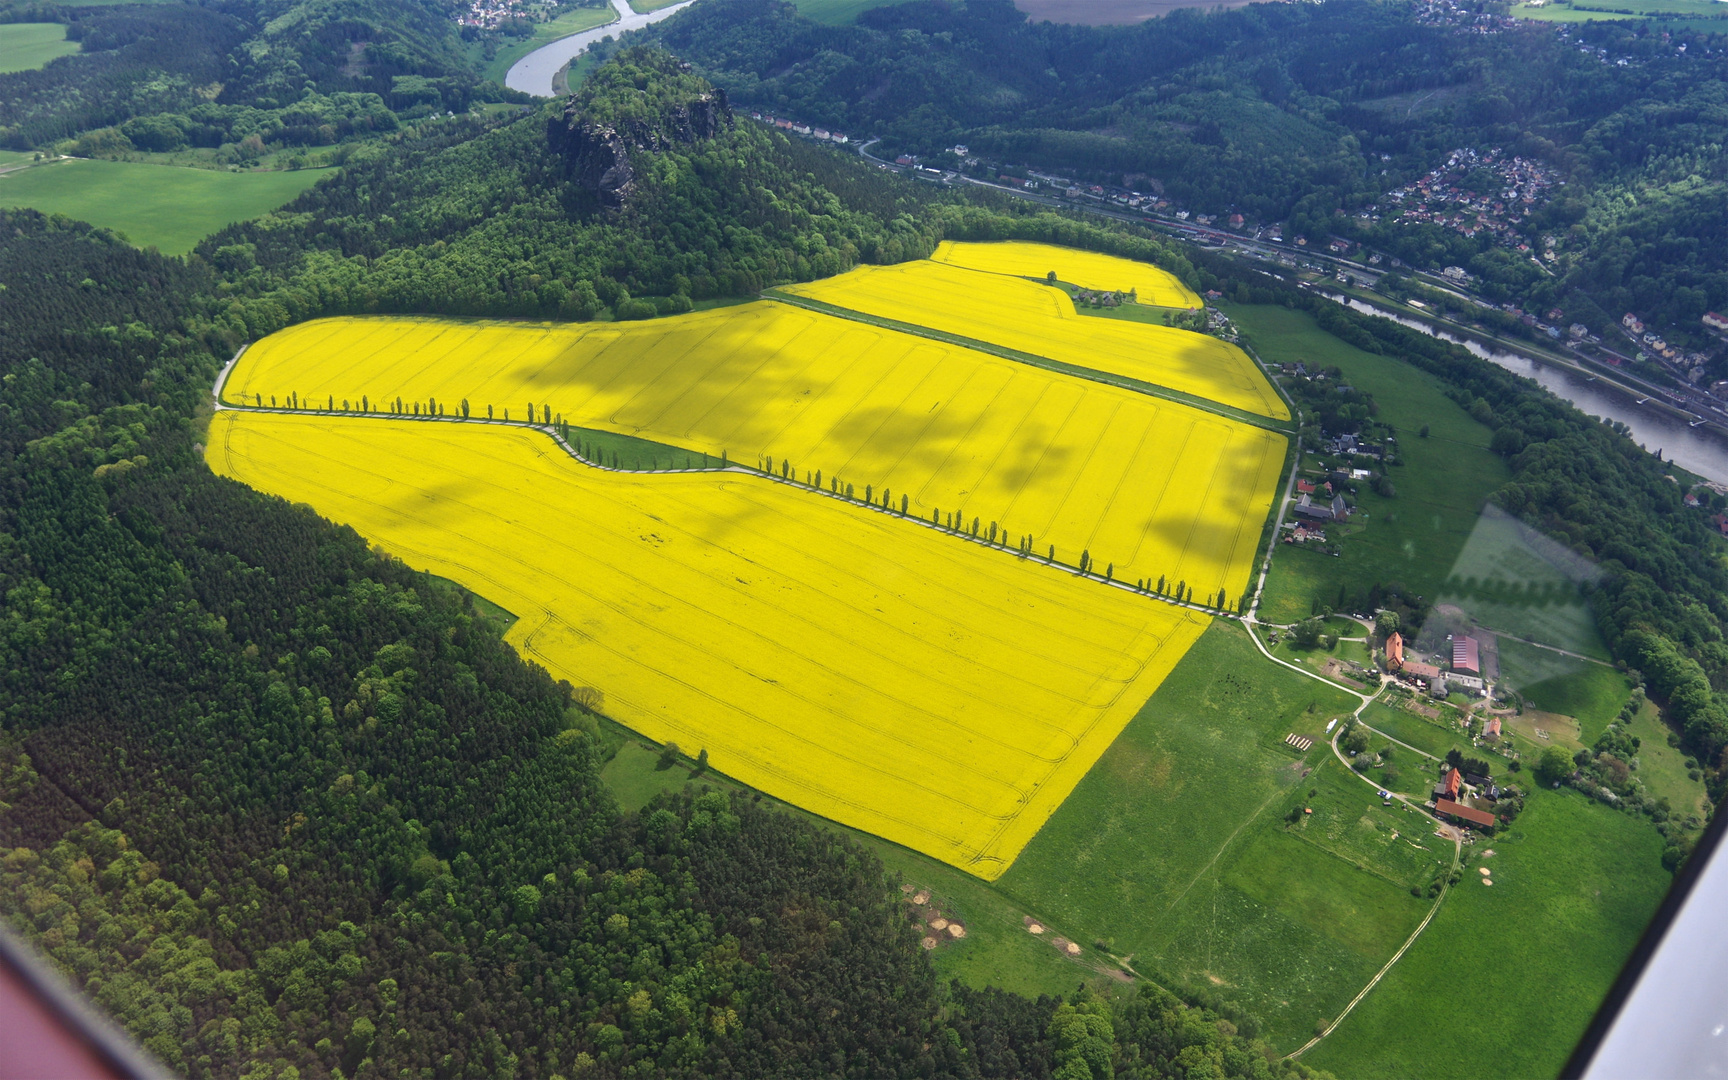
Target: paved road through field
column 533, row 73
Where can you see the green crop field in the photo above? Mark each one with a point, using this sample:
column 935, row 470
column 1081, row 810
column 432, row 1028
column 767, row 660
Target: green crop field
column 27, row 46
column 1414, row 538
column 838, row 12
column 570, row 22
column 1522, row 964
column 152, row 205
column 1176, row 848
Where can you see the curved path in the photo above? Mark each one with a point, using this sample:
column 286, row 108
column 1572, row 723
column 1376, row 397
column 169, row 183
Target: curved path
column 534, row 73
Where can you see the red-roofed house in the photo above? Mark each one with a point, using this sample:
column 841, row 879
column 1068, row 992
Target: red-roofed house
column 1303, row 487
column 1394, row 651
column 1465, row 658
column 1492, row 730
column 1459, row 812
column 1416, row 669
column 1451, row 786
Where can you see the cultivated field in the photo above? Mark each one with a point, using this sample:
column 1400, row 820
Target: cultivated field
column 939, row 693
column 153, row 205
column 27, row 46
column 1032, row 318
column 1088, row 269
column 1152, row 488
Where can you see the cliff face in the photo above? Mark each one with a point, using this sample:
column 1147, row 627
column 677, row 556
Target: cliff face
column 597, row 153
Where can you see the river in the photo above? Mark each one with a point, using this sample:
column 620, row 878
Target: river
column 533, row 73
column 1697, row 450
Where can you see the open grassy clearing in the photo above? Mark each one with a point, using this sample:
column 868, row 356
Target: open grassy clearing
column 1088, row 269
column 1415, row 538
column 1321, row 660
column 1175, row 848
column 152, row 205
column 1150, row 488
column 1704, row 12
column 838, row 12
column 1664, row 768
column 1511, row 578
column 573, row 21
column 1523, row 963
column 876, row 673
column 28, row 46
column 1548, row 681
column 1032, row 318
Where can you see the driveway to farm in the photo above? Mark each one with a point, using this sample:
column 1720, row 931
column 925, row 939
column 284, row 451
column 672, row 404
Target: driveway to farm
column 533, row 74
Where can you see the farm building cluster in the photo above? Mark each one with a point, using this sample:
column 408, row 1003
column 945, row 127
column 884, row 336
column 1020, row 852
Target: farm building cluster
column 1464, row 672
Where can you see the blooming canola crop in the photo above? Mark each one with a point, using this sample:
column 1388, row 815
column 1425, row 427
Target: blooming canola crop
column 1152, row 488
column 1032, row 318
column 940, row 693
column 1087, row 269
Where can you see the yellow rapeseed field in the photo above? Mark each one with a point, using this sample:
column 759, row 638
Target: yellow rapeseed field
column 1038, row 319
column 939, row 693
column 1088, row 269
column 1154, row 488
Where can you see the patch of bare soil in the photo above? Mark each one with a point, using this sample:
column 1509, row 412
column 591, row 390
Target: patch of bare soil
column 1109, row 12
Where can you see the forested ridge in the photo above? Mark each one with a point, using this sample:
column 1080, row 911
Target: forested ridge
column 1302, row 113
column 285, row 807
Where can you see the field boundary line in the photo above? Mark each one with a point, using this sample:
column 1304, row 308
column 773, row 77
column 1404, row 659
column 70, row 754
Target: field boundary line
column 733, row 467
column 1121, row 382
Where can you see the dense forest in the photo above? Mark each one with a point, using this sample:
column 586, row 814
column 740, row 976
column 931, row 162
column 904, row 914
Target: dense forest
column 286, row 807
column 1301, row 113
column 163, row 76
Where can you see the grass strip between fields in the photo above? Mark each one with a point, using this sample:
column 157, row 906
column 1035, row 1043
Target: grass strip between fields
column 1242, row 416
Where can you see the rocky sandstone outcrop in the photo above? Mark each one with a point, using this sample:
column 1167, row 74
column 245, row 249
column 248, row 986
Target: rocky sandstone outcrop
column 597, row 155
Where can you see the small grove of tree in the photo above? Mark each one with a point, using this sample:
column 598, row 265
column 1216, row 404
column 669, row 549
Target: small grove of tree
column 1306, row 634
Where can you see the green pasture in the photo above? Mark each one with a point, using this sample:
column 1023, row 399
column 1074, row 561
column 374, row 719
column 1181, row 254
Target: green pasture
column 1513, row 579
column 1176, row 848
column 152, row 205
column 643, row 7
column 1430, row 737
column 1663, row 768
column 28, row 46
column 570, row 22
column 1315, row 659
column 1507, row 976
column 838, row 12
column 1591, row 693
column 1608, row 10
column 1414, row 538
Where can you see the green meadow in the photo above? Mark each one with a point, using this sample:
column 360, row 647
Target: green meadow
column 152, row 205
column 1186, row 852
column 838, row 12
column 1414, row 538
column 28, row 46
column 1507, row 975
